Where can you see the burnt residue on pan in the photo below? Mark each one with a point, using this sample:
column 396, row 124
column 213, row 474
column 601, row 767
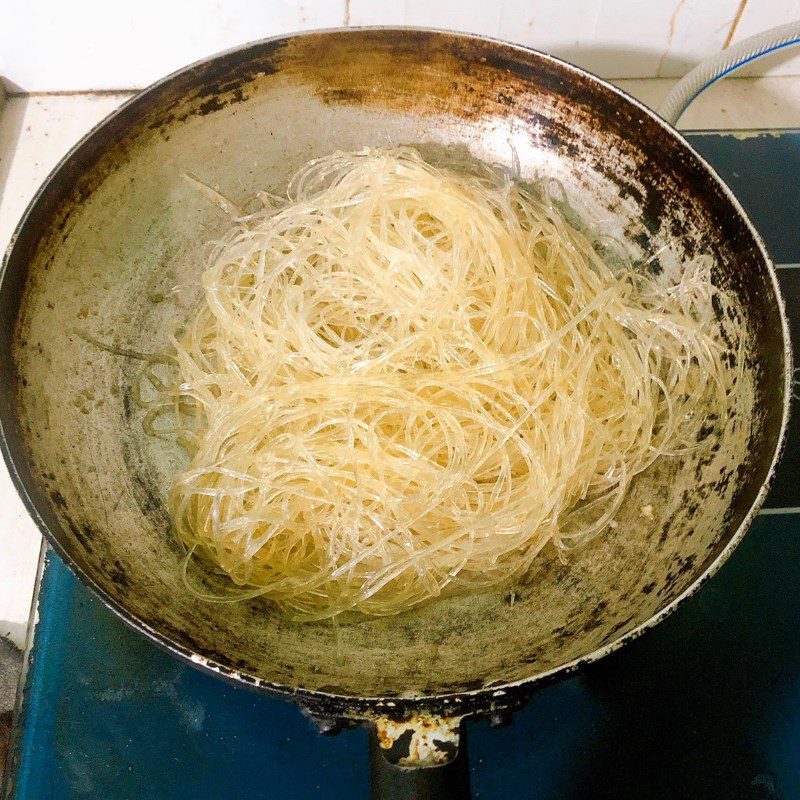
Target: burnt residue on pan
column 116, row 225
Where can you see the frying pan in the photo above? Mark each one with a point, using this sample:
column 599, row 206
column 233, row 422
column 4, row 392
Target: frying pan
column 115, row 227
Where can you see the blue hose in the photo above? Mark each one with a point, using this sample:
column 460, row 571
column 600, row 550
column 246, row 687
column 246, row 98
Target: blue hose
column 722, row 64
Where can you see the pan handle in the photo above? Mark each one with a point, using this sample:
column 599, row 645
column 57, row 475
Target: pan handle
column 421, row 758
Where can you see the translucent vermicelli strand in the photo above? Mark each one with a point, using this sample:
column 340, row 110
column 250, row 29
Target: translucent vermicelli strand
column 405, row 381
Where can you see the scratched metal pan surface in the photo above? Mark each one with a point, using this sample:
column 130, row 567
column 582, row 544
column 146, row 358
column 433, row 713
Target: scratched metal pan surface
column 115, row 228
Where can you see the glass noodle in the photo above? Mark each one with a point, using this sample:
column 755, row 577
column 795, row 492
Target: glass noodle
column 405, row 381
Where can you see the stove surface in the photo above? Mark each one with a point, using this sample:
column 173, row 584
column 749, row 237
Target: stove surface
column 705, row 705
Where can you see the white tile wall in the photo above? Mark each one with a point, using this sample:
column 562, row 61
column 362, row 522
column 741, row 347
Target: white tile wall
column 52, row 45
column 614, row 38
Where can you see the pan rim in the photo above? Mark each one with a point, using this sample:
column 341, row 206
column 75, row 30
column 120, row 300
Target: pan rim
column 459, row 702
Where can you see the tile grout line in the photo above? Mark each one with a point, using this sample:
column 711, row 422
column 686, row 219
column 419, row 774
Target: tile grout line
column 734, row 24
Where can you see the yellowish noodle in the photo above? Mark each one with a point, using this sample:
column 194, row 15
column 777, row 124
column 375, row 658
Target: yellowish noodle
column 407, row 381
